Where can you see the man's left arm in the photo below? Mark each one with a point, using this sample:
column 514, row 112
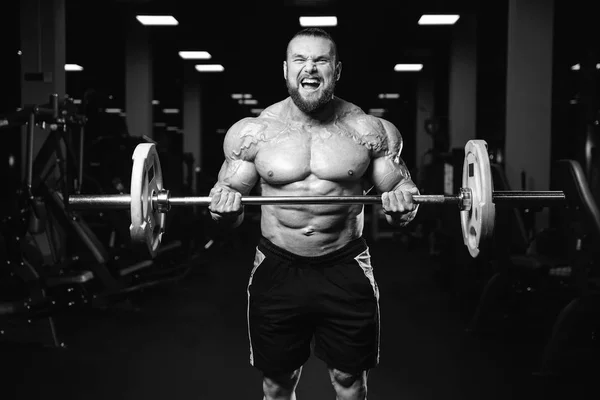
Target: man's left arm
column 391, row 178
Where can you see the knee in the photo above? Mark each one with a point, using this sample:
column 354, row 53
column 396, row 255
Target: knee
column 280, row 384
column 349, row 381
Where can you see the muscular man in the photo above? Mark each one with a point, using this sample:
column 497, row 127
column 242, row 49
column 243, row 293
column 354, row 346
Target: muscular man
column 312, row 281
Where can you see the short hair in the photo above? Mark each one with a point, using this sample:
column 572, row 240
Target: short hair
column 315, row 32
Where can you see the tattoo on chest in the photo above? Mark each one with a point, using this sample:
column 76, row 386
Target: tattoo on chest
column 361, row 130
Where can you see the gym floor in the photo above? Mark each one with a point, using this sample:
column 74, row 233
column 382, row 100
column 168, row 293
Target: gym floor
column 188, row 340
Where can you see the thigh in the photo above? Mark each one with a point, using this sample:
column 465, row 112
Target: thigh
column 347, row 334
column 279, row 328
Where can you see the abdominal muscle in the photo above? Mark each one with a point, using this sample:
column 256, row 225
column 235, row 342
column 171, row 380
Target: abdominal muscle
column 312, row 229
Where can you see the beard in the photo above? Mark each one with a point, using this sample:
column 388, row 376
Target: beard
column 311, row 106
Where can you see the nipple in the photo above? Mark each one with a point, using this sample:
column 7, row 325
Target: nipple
column 350, row 172
column 270, row 173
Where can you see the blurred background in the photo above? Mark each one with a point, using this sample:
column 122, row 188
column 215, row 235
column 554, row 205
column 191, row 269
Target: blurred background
column 520, row 74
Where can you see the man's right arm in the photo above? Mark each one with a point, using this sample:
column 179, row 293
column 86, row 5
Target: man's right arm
column 237, row 175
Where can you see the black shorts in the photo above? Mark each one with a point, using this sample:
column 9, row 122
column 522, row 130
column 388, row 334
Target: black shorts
column 332, row 299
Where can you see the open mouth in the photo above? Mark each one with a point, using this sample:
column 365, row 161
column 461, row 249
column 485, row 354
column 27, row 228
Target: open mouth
column 310, row 84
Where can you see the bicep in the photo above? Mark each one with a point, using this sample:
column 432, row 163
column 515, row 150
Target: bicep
column 239, row 175
column 238, row 171
column 387, row 173
column 388, row 170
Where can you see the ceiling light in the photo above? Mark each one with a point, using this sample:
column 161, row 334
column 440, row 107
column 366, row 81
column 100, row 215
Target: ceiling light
column 157, row 20
column 318, row 21
column 209, row 68
column 171, row 111
column 195, row 55
column 577, row 67
column 408, row 67
column 73, row 67
column 237, row 96
column 155, row 102
column 376, row 111
column 113, row 110
column 389, row 95
column 256, row 110
column 438, row 19
column 249, row 102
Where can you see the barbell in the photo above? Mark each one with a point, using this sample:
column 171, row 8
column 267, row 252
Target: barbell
column 149, row 201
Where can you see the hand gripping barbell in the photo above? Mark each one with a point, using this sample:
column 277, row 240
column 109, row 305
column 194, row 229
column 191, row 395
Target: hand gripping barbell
column 149, row 202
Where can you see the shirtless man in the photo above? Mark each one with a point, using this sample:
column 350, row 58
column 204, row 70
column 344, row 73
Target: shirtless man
column 312, row 280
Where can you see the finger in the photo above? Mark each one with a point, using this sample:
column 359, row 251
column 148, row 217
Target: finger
column 229, row 202
column 222, row 204
column 215, row 197
column 413, row 190
column 399, row 202
column 237, row 202
column 385, row 201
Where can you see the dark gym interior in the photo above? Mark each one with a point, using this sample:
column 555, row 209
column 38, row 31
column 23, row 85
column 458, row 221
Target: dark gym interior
column 87, row 312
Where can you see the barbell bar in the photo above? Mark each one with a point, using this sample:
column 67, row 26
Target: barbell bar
column 165, row 201
column 149, row 201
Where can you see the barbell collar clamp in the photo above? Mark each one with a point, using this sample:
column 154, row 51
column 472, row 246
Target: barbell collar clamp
column 466, row 199
column 161, row 201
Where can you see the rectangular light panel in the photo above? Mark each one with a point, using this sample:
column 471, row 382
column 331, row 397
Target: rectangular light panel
column 248, row 102
column 157, row 20
column 408, row 67
column 195, row 55
column 209, row 68
column 237, row 96
column 73, row 67
column 389, row 95
column 438, row 19
column 318, row 21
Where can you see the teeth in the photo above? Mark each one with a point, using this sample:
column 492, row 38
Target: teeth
column 315, row 81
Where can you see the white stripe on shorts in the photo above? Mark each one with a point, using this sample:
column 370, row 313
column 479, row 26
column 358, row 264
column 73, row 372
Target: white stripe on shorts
column 259, row 257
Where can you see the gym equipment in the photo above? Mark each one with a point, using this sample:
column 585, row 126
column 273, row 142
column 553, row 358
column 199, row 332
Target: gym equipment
column 54, row 259
column 476, row 200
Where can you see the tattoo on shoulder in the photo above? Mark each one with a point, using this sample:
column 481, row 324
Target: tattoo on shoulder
column 369, row 132
column 249, row 135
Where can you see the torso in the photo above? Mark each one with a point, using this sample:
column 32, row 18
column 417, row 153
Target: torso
column 295, row 159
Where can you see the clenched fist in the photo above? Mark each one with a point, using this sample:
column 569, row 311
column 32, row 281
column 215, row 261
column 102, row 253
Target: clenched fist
column 225, row 202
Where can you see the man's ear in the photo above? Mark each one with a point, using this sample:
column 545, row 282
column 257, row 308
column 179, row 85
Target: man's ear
column 338, row 71
column 285, row 70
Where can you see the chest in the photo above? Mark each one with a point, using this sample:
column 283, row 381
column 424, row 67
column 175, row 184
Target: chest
column 329, row 154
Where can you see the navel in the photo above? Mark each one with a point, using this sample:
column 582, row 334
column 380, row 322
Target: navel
column 270, row 173
column 308, row 231
column 350, row 172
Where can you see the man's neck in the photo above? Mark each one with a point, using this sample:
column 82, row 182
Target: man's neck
column 321, row 116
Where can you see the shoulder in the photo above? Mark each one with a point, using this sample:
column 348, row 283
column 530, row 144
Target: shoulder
column 379, row 131
column 353, row 115
column 242, row 138
column 391, row 135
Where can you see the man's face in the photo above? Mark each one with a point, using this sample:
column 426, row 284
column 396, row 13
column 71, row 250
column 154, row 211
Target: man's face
column 310, row 72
